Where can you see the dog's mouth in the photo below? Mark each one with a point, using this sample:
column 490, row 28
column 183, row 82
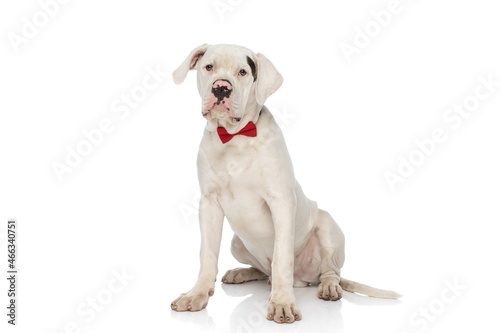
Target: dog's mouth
column 219, row 115
column 220, row 109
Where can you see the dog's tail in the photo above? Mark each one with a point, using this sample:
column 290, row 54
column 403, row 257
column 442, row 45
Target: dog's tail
column 356, row 287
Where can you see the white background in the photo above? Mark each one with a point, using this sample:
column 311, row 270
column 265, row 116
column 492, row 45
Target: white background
column 131, row 203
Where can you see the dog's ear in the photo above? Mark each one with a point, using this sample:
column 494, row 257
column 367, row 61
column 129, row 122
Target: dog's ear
column 268, row 79
column 189, row 64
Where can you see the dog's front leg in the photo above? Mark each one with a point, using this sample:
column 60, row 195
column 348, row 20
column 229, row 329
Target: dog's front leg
column 211, row 220
column 282, row 304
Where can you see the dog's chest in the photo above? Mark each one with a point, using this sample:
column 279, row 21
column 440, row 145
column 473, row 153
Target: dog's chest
column 234, row 165
column 236, row 176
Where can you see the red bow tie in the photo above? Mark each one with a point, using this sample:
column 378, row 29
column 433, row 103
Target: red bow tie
column 248, row 130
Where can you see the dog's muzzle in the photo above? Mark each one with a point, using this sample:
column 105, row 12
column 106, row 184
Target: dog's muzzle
column 222, row 89
column 220, row 100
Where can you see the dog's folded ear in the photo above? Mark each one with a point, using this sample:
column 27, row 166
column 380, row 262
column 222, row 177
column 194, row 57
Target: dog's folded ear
column 189, row 64
column 268, row 79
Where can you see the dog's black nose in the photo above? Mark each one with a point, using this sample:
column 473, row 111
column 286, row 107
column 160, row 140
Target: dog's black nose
column 221, row 89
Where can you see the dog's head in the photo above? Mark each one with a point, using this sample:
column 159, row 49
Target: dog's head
column 233, row 83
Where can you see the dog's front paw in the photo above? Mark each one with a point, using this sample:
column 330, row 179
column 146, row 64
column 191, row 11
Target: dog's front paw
column 192, row 301
column 329, row 289
column 283, row 311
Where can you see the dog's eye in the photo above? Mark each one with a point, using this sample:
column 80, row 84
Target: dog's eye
column 209, row 67
column 242, row 72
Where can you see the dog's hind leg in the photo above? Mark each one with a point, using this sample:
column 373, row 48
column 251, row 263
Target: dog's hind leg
column 240, row 275
column 331, row 242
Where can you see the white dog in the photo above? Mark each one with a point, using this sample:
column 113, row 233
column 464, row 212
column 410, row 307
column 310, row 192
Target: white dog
column 246, row 175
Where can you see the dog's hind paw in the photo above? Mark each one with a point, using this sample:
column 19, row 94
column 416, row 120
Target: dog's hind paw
column 240, row 275
column 329, row 289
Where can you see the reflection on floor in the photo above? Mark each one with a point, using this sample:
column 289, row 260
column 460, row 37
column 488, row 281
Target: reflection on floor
column 249, row 315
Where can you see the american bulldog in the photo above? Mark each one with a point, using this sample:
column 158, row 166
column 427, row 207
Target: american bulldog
column 246, row 175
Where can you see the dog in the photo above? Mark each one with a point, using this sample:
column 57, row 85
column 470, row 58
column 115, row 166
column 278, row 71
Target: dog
column 246, row 175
